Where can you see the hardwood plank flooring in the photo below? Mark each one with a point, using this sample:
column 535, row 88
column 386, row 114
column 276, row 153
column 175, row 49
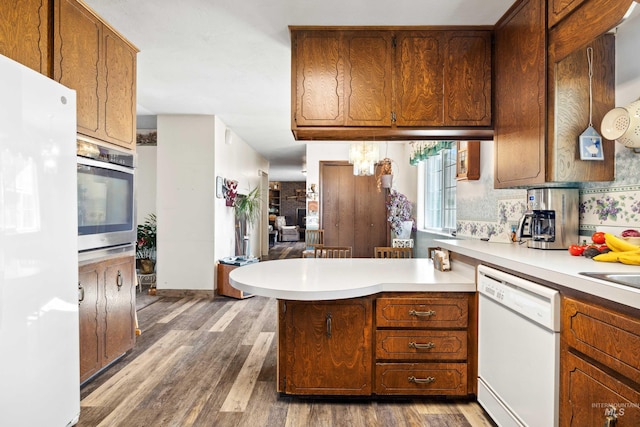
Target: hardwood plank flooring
column 201, row 362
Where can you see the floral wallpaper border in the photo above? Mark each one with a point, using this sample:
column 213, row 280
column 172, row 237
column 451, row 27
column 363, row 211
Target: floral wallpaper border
column 610, row 208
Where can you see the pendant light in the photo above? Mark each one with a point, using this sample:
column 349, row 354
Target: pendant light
column 364, row 156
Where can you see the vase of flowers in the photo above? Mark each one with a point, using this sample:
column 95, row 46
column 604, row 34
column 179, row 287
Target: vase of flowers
column 399, row 210
column 146, row 245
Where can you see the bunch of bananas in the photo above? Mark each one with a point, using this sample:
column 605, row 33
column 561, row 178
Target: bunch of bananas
column 621, row 251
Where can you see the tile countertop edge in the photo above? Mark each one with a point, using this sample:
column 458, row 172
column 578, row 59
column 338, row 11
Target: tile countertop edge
column 290, row 280
column 552, row 266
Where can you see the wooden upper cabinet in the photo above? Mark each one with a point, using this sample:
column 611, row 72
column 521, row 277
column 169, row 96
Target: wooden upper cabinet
column 24, row 33
column 467, row 78
column 77, row 61
column 319, row 79
column 350, row 83
column 120, row 78
column 520, row 95
column 368, row 78
column 101, row 66
column 419, row 78
column 558, row 9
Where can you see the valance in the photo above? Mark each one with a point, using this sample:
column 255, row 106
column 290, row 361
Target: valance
column 422, row 150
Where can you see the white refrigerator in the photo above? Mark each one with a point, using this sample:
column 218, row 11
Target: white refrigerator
column 39, row 350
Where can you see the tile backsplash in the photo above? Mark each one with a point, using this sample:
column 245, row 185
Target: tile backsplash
column 610, row 206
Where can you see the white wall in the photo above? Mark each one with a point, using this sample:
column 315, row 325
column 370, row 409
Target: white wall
column 628, row 60
column 195, row 229
column 404, row 175
column 145, row 181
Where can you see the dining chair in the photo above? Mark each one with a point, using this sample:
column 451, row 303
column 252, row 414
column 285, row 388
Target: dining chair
column 312, row 239
column 389, row 252
column 321, row 251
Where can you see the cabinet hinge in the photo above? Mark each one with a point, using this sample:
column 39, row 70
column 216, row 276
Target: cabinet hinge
column 284, row 307
column 393, row 42
column 393, row 117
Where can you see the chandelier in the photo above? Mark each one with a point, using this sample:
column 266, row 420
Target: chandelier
column 364, row 156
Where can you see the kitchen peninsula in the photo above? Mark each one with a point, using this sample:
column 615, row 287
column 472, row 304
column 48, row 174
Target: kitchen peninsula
column 364, row 326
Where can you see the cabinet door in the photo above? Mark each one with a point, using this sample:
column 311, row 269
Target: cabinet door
column 24, row 33
column 329, row 347
column 119, row 311
column 558, row 9
column 467, row 78
column 418, row 82
column 589, row 394
column 319, row 90
column 120, row 103
column 90, row 321
column 368, row 78
column 520, row 94
column 77, row 61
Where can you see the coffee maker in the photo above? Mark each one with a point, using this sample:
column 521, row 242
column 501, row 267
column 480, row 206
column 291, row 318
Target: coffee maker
column 551, row 220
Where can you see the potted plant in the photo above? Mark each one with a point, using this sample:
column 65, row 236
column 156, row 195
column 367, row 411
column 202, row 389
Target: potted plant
column 385, row 174
column 146, row 244
column 247, row 212
column 399, row 210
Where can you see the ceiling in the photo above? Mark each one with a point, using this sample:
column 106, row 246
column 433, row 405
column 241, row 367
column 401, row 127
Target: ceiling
column 232, row 58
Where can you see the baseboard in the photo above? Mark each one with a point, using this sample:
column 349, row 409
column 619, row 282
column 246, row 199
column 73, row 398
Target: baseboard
column 182, row 293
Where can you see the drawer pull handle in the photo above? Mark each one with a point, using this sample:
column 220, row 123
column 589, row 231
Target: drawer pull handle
column 119, row 280
column 427, row 380
column 611, row 419
column 422, row 313
column 420, row 346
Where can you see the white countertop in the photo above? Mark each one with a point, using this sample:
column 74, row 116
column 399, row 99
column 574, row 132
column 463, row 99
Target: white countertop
column 556, row 266
column 314, row 279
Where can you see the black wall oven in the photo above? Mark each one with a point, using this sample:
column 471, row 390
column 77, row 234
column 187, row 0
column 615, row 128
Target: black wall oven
column 106, row 200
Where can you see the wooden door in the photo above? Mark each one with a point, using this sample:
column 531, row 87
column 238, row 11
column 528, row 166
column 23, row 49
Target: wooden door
column 77, row 61
column 520, row 94
column 418, row 81
column 120, row 307
column 370, row 225
column 319, row 91
column 467, row 78
column 24, row 33
column 337, row 203
column 120, row 103
column 90, row 318
column 329, row 347
column 368, row 78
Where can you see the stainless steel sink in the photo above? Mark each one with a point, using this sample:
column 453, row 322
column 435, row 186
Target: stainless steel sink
column 627, row 279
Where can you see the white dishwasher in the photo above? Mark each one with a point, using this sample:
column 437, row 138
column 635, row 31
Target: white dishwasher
column 518, row 350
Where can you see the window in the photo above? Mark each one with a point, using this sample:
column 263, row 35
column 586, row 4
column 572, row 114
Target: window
column 440, row 191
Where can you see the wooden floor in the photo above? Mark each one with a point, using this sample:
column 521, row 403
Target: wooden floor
column 206, row 362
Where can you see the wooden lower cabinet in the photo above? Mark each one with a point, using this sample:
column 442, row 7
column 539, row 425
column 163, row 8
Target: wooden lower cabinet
column 421, row 378
column 325, row 347
column 107, row 312
column 386, row 344
column 599, row 366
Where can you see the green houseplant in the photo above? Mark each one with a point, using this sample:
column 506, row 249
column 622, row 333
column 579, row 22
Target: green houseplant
column 146, row 244
column 247, row 212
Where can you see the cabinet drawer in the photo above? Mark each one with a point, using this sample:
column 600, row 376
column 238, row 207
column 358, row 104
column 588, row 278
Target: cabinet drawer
column 606, row 336
column 421, row 378
column 421, row 345
column 449, row 312
column 590, row 393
